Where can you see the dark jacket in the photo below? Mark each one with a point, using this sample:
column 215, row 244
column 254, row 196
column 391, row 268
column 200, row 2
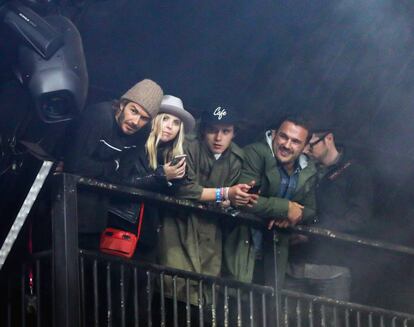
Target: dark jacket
column 135, row 171
column 93, row 146
column 344, row 195
column 97, row 142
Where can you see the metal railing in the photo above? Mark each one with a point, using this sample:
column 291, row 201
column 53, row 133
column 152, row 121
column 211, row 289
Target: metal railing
column 74, row 287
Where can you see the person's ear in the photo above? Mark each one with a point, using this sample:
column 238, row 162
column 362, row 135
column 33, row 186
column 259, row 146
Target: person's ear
column 330, row 137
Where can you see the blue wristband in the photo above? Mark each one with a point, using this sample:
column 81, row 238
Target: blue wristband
column 218, row 195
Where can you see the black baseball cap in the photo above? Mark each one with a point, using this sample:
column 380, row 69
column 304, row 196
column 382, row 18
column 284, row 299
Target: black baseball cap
column 220, row 114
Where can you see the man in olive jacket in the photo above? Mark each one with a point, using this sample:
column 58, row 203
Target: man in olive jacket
column 193, row 241
column 285, row 179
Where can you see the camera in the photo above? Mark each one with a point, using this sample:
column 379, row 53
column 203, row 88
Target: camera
column 58, row 85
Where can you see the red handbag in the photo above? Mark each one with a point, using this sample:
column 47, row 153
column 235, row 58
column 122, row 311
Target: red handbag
column 119, row 242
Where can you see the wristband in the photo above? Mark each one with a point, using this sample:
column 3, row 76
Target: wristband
column 218, row 195
column 226, row 193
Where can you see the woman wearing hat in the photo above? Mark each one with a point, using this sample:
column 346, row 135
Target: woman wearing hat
column 152, row 168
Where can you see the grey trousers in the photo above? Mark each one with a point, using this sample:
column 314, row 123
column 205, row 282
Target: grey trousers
column 328, row 281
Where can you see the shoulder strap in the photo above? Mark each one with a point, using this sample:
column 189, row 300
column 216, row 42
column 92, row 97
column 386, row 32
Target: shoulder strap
column 338, row 172
column 140, row 216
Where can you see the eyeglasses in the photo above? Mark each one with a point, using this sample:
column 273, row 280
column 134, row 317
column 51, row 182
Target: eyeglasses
column 322, row 137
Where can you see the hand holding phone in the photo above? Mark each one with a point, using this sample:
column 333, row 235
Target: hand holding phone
column 254, row 190
column 177, row 159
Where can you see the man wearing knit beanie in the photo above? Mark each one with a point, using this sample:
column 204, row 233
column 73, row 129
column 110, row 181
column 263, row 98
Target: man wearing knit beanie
column 103, row 132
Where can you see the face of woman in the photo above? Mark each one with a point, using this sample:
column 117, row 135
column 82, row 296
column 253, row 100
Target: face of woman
column 170, row 126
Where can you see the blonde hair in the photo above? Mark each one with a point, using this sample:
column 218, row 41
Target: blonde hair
column 153, row 140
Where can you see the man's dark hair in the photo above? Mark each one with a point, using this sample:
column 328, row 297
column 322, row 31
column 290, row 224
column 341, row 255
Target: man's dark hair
column 118, row 105
column 298, row 120
column 203, row 126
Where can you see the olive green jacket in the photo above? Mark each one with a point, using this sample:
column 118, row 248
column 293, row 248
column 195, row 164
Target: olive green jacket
column 194, row 241
column 260, row 165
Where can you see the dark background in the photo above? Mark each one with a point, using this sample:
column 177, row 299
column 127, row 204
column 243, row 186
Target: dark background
column 346, row 61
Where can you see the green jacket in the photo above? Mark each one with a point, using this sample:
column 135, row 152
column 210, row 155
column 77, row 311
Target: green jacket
column 260, row 165
column 193, row 241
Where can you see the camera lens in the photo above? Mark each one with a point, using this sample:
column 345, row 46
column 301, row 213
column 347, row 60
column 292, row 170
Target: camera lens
column 56, row 107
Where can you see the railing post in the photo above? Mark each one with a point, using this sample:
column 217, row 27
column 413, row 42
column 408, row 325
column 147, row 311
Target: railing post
column 65, row 257
column 272, row 277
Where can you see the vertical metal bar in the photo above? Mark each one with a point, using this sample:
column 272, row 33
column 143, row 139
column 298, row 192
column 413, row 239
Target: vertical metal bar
column 286, row 312
column 370, row 321
column 226, row 306
column 264, row 313
column 298, row 313
column 38, row 295
column 358, row 318
column 382, row 322
column 347, row 324
column 213, row 305
column 162, row 300
column 187, row 302
column 95, row 293
column 251, row 309
column 136, row 301
column 108, row 295
column 310, row 315
column 65, row 263
column 276, row 285
column 200, row 303
column 23, row 296
column 405, row 323
column 175, row 308
column 394, row 322
column 323, row 316
column 239, row 309
column 122, row 293
column 149, row 298
column 335, row 316
column 175, row 305
column 82, row 283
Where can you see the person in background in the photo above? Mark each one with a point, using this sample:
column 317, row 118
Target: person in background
column 344, row 198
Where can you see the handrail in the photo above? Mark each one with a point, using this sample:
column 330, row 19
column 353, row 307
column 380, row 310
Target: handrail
column 348, row 305
column 246, row 217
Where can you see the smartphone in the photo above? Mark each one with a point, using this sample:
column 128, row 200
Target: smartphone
column 177, row 159
column 254, row 190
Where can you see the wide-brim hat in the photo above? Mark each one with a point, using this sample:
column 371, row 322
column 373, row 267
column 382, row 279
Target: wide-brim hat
column 174, row 106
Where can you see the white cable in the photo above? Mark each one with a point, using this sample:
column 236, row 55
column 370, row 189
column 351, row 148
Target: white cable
column 24, row 211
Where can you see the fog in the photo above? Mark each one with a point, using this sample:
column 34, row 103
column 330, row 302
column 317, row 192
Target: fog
column 349, row 61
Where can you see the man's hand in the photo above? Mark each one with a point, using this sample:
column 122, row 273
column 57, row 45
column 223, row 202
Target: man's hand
column 238, row 195
column 295, row 213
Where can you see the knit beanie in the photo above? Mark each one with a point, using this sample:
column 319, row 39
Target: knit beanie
column 147, row 94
